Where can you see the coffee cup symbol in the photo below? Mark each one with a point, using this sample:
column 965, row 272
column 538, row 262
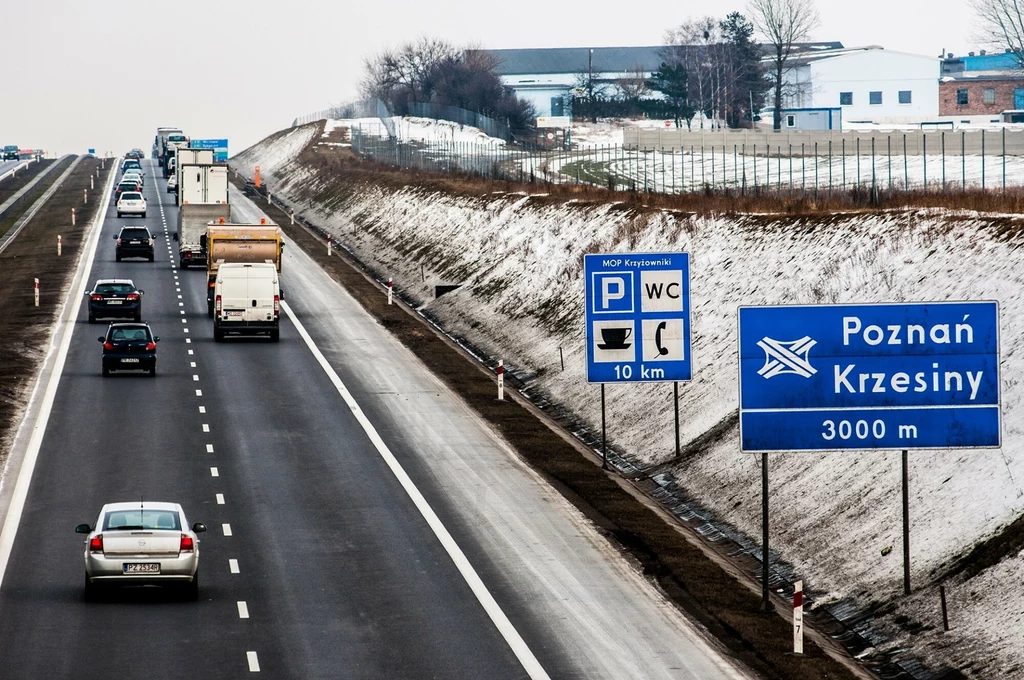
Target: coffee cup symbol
column 615, row 338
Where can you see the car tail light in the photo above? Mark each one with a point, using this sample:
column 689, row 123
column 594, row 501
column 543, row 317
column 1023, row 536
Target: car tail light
column 96, row 544
column 186, row 544
column 150, row 346
column 133, row 296
column 218, row 304
column 188, row 255
column 95, row 296
column 277, row 305
column 107, row 345
column 212, row 284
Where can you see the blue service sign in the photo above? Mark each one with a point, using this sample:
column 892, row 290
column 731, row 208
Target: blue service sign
column 875, row 376
column 92, row 152
column 220, row 147
column 638, row 317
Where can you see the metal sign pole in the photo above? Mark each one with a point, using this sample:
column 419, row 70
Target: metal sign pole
column 766, row 605
column 604, row 434
column 675, row 389
column 906, row 528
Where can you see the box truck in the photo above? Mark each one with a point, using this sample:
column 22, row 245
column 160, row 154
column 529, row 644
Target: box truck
column 202, row 184
column 183, row 156
column 247, row 300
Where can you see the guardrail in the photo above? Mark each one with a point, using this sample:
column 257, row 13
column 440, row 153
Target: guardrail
column 25, row 164
column 11, row 234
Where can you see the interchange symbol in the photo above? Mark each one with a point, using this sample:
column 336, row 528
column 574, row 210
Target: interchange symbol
column 781, row 357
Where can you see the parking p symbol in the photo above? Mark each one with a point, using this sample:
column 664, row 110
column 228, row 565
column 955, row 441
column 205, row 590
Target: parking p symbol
column 614, row 292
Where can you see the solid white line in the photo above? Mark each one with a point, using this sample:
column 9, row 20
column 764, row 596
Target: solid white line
column 233, row 566
column 220, row 499
column 209, row 448
column 72, row 303
column 473, row 580
column 214, row 472
column 226, row 528
column 254, row 663
column 243, row 609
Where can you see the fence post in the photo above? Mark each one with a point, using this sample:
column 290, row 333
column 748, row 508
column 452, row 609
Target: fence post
column 859, row 181
column 830, row 165
column 906, row 172
column 743, row 185
column 815, row 171
column 983, row 159
column 924, row 160
column 755, row 169
column 963, row 161
column 1004, row 160
column 888, row 153
column 942, row 156
column 843, row 159
column 735, row 170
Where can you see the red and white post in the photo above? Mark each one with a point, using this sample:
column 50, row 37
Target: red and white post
column 58, row 245
column 798, row 618
column 291, row 215
column 37, row 292
column 92, row 182
column 72, row 217
column 328, row 245
column 85, row 196
column 501, row 380
column 390, row 290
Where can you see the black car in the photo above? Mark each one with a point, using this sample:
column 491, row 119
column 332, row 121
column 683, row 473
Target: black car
column 126, row 185
column 117, row 298
column 134, row 242
column 129, row 347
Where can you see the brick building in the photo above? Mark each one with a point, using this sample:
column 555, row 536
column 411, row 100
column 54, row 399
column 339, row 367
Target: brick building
column 981, row 95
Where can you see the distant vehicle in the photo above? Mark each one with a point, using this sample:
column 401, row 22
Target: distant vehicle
column 129, row 163
column 131, row 203
column 247, row 300
column 129, row 347
column 11, row 153
column 132, row 173
column 134, row 242
column 160, row 143
column 172, row 163
column 117, row 298
column 127, row 185
column 172, row 184
column 141, row 543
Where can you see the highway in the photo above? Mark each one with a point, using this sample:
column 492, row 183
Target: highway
column 364, row 522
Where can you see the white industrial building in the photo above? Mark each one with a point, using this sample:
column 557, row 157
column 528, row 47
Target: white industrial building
column 868, row 84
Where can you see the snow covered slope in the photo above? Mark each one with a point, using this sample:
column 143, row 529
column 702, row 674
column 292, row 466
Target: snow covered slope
column 519, row 259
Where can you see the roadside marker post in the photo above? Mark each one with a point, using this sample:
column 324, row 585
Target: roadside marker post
column 328, row 245
column 37, row 292
column 501, row 380
column 798, row 618
column 291, row 216
column 72, row 217
column 92, row 182
column 868, row 377
column 85, row 196
column 58, row 245
column 390, row 290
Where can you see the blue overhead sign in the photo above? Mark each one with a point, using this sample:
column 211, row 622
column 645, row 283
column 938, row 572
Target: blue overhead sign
column 219, row 146
column 638, row 317
column 877, row 376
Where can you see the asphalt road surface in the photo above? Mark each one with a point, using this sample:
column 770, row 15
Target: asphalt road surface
column 364, row 523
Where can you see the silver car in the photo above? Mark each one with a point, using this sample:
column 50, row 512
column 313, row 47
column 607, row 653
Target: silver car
column 141, row 543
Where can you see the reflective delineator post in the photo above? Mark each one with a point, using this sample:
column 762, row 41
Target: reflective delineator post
column 798, row 618
column 92, row 182
column 268, row 198
column 85, row 196
column 328, row 245
column 37, row 292
column 72, row 217
column 390, row 290
column 291, row 216
column 501, row 380
column 58, row 245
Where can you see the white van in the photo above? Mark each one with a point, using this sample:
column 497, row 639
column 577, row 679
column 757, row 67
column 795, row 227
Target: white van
column 247, row 300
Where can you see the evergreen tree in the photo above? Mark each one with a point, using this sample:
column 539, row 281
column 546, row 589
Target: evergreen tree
column 748, row 84
column 671, row 81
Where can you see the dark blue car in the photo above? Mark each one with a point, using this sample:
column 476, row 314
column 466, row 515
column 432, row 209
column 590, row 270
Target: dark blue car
column 118, row 298
column 129, row 347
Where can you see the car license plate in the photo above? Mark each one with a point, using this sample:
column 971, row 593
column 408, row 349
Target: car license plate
column 141, row 567
column 134, row 243
column 129, row 361
column 234, row 315
column 114, row 302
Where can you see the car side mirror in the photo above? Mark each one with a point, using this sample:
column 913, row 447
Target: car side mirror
column 198, row 527
column 115, row 237
column 82, row 529
column 156, row 338
column 101, row 339
column 141, row 292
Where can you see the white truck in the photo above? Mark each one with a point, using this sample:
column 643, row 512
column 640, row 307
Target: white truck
column 188, row 156
column 203, row 196
column 247, row 300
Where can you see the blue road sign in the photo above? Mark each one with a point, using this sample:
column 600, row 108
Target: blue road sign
column 638, row 317
column 875, row 376
column 219, row 146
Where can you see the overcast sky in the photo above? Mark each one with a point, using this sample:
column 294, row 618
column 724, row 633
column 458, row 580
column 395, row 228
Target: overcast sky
column 78, row 74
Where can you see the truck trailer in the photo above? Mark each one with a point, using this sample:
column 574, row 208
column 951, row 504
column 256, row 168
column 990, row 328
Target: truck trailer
column 203, row 198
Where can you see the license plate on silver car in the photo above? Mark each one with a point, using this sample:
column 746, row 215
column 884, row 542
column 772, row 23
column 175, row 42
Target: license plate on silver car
column 130, row 361
column 141, row 567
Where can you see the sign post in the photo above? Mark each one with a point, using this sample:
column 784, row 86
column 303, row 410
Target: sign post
column 869, row 377
column 798, row 618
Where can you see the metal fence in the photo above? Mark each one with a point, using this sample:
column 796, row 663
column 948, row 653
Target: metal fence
column 733, row 167
column 462, row 116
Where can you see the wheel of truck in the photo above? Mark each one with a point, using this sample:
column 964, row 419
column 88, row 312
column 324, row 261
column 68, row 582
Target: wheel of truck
column 275, row 335
column 143, row 214
column 218, row 334
column 209, row 310
column 183, row 263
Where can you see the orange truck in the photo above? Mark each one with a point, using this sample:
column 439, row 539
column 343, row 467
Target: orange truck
column 244, row 243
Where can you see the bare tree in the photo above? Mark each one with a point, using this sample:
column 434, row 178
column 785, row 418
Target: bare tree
column 402, row 75
column 698, row 46
column 783, row 23
column 1001, row 24
column 633, row 86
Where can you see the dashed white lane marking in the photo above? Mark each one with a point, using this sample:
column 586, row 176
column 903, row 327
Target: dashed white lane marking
column 226, row 528
column 190, row 352
column 508, row 631
column 206, row 427
column 233, row 566
column 192, row 364
column 195, row 378
column 209, row 448
column 184, row 320
column 214, row 472
column 182, row 310
column 243, row 609
column 188, row 341
column 254, row 662
column 199, row 393
column 202, row 409
column 220, row 499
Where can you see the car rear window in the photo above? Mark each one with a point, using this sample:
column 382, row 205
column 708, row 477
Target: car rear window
column 130, row 333
column 127, row 520
column 121, row 288
column 134, row 233
column 131, row 196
